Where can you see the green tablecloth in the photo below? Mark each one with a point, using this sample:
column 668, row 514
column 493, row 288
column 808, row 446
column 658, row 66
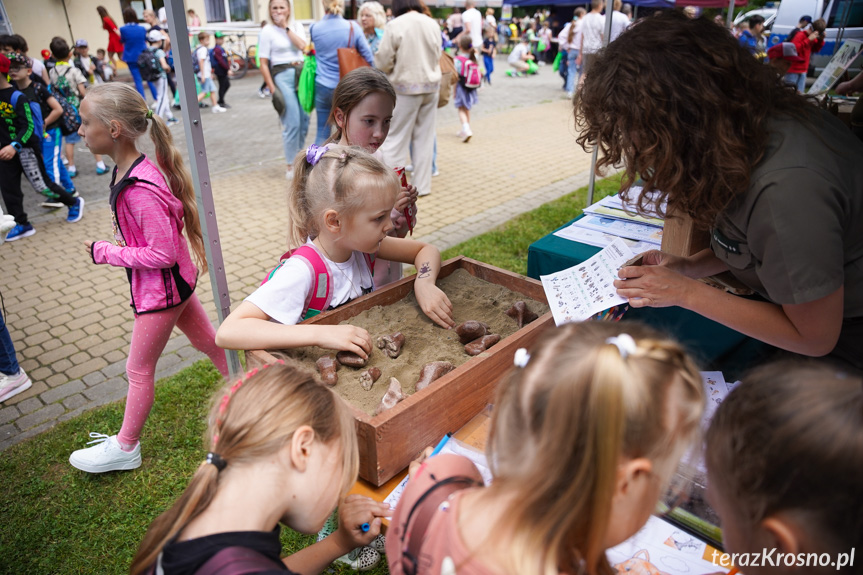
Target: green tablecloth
column 705, row 339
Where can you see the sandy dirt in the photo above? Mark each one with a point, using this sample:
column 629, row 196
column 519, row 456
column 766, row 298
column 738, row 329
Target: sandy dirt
column 472, row 298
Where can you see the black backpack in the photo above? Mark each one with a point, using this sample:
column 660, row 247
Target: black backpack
column 62, row 91
column 149, row 65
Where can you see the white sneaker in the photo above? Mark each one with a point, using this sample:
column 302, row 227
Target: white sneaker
column 218, row 109
column 107, row 455
column 409, row 168
column 12, row 385
column 435, row 173
column 465, row 137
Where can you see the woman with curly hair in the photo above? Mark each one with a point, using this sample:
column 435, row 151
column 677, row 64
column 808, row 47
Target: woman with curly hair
column 776, row 181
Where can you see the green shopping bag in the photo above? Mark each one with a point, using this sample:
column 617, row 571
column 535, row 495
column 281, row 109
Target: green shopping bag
column 556, row 65
column 532, row 67
column 306, row 85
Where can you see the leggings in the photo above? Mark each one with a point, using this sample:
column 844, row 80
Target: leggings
column 149, row 336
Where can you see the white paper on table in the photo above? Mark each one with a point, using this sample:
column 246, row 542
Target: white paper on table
column 600, row 239
column 631, row 230
column 635, row 192
column 660, row 547
column 455, row 447
column 585, row 289
column 619, row 213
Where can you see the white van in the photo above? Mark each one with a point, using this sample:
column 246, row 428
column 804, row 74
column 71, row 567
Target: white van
column 837, row 14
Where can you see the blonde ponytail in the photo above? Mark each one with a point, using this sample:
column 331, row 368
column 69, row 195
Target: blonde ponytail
column 180, row 183
column 560, row 428
column 120, row 103
column 249, row 421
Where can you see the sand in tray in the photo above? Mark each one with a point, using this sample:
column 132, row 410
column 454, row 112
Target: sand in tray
column 472, row 298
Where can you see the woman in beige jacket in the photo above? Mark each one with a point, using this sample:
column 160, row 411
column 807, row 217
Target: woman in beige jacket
column 409, row 54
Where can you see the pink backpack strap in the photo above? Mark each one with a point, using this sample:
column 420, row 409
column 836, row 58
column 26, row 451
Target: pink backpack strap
column 319, row 297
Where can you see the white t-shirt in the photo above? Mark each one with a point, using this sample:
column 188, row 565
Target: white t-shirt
column 473, row 19
column 38, row 66
column 277, row 47
column 203, row 53
column 284, row 295
column 619, row 24
column 518, row 52
column 489, row 19
column 592, row 29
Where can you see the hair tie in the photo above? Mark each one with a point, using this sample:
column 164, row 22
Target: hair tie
column 149, row 114
column 216, row 459
column 624, row 343
column 521, row 358
column 315, row 153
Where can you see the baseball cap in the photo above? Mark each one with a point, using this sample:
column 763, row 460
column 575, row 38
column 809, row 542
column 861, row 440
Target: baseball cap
column 806, row 19
column 4, row 64
column 155, row 36
column 81, row 43
column 18, row 61
column 785, row 51
column 218, row 34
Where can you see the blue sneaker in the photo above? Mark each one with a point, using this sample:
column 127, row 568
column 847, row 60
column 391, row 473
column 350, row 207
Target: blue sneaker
column 72, row 173
column 100, row 171
column 20, row 231
column 76, row 212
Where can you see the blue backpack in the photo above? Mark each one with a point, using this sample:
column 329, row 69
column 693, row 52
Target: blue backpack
column 35, row 113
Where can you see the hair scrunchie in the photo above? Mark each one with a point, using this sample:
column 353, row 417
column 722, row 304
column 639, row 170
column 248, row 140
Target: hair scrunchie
column 315, row 153
column 216, row 459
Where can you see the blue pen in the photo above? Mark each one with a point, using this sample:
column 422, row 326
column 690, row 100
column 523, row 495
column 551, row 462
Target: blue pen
column 440, row 445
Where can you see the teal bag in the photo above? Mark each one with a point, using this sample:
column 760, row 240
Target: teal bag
column 306, row 85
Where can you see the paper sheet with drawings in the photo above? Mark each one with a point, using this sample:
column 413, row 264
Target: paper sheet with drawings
column 716, row 389
column 631, row 230
column 661, row 548
column 585, row 289
column 631, row 206
column 456, row 447
column 601, row 239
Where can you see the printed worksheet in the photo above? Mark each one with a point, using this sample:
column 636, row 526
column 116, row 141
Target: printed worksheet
column 599, row 239
column 635, row 192
column 586, row 289
column 660, row 547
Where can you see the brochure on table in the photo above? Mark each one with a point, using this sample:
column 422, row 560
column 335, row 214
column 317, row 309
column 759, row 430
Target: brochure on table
column 586, row 289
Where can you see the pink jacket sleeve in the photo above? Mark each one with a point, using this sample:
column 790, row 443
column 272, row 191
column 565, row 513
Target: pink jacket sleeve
column 155, row 229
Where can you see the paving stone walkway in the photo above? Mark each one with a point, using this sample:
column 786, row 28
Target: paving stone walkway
column 70, row 319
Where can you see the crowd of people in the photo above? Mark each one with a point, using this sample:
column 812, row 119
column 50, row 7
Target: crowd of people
column 589, row 425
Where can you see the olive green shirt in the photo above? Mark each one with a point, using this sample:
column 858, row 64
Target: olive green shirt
column 796, row 235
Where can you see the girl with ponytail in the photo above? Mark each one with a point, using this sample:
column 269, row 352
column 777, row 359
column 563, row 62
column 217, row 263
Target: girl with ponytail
column 586, row 435
column 151, row 204
column 282, row 449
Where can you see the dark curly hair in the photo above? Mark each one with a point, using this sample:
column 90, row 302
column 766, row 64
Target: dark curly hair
column 684, row 107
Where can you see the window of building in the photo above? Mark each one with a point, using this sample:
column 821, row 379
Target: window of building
column 228, row 10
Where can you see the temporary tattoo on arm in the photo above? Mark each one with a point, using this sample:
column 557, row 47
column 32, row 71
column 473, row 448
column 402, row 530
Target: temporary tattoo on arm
column 425, row 270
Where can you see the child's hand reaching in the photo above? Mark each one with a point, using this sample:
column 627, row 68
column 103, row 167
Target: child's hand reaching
column 345, row 338
column 354, row 511
column 407, row 200
column 434, row 303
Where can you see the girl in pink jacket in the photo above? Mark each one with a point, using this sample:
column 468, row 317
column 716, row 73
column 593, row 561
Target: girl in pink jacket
column 149, row 214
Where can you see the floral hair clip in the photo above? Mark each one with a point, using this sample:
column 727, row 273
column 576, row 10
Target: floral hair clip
column 315, row 153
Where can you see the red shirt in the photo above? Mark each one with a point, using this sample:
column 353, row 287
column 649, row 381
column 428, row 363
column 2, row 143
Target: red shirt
column 805, row 47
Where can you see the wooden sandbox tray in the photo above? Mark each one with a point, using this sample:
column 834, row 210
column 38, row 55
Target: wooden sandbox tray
column 389, row 441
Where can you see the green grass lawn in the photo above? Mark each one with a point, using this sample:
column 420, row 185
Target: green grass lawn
column 56, row 519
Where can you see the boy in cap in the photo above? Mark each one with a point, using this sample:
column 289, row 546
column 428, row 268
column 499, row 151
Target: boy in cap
column 221, row 67
column 89, row 65
column 163, row 105
column 51, row 137
column 20, row 154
